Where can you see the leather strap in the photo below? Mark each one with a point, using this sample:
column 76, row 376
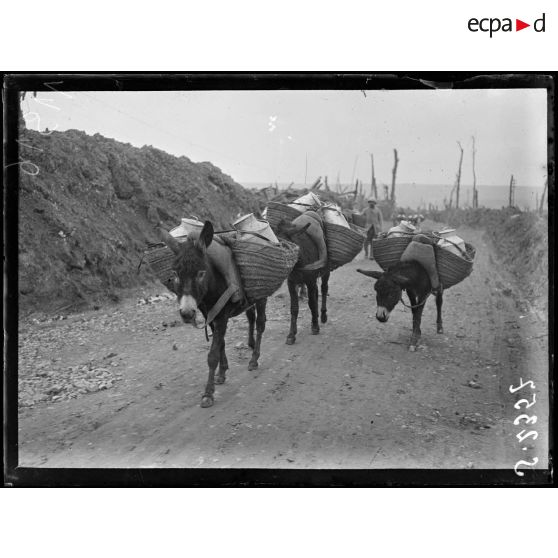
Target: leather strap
column 220, row 304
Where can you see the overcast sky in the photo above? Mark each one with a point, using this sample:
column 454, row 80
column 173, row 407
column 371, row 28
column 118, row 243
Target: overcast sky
column 266, row 136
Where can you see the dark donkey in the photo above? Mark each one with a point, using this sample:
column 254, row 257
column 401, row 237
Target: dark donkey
column 199, row 285
column 407, row 276
column 307, row 270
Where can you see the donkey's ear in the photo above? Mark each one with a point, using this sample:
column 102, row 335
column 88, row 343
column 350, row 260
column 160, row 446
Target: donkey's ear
column 206, row 236
column 371, row 273
column 169, row 240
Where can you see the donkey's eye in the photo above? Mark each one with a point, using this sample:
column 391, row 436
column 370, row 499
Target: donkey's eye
column 200, row 276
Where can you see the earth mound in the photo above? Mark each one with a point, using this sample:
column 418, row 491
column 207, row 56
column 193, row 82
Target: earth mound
column 86, row 216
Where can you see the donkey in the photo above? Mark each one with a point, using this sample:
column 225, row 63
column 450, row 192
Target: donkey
column 308, row 254
column 200, row 286
column 407, row 276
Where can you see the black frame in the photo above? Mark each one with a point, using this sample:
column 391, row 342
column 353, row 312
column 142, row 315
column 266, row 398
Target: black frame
column 13, row 84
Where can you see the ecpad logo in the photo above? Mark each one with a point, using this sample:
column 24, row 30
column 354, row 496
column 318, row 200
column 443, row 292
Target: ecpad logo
column 494, row 24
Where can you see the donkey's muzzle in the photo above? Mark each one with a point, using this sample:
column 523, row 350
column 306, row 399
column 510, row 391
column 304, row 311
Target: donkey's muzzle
column 382, row 314
column 188, row 316
column 187, row 309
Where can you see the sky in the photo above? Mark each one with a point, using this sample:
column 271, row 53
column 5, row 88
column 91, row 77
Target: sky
column 293, row 136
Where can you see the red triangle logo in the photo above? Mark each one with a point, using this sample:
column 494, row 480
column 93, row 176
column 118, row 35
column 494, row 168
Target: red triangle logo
column 519, row 25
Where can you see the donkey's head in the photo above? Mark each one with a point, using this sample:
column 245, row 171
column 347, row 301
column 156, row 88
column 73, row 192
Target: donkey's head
column 388, row 287
column 191, row 269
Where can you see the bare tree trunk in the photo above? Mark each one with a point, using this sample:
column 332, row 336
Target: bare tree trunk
column 355, row 193
column 541, row 206
column 354, row 169
column 458, row 182
column 326, row 184
column 511, row 196
column 475, row 195
column 394, row 174
column 373, row 188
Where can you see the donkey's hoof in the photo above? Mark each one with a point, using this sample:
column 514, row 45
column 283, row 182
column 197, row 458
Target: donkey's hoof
column 412, row 348
column 440, row 329
column 207, row 401
column 290, row 340
column 324, row 317
column 315, row 330
column 220, row 379
column 252, row 365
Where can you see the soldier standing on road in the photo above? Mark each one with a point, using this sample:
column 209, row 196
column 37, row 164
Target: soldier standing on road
column 374, row 225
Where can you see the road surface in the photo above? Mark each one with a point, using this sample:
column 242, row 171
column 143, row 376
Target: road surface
column 121, row 386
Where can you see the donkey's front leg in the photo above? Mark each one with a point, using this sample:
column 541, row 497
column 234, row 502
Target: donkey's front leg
column 223, row 365
column 260, row 328
column 313, row 305
column 251, row 315
column 213, row 359
column 325, row 288
column 417, row 317
column 439, row 302
column 294, row 311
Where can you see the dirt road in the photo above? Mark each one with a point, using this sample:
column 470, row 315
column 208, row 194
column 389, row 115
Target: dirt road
column 121, row 387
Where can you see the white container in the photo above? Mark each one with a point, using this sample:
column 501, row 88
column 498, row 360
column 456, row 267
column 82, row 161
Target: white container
column 307, row 202
column 250, row 223
column 452, row 243
column 403, row 229
column 186, row 227
column 332, row 214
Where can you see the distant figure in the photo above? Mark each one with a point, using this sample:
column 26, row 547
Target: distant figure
column 374, row 226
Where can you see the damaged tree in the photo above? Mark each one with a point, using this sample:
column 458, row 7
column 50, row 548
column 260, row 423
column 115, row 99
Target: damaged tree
column 541, row 205
column 393, row 175
column 475, row 191
column 511, row 201
column 458, row 177
column 373, row 188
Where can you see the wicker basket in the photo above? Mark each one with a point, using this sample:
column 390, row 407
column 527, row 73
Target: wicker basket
column 343, row 244
column 360, row 230
column 387, row 251
column 277, row 211
column 452, row 269
column 263, row 268
column 161, row 259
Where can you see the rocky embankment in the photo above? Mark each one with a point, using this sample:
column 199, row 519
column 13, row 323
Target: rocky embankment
column 85, row 217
